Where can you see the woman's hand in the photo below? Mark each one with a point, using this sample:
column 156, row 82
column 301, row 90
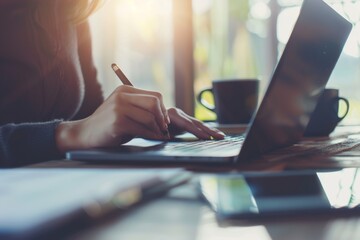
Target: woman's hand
column 181, row 122
column 127, row 113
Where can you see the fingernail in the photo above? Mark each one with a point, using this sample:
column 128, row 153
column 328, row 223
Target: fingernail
column 207, row 138
column 218, row 131
column 167, row 119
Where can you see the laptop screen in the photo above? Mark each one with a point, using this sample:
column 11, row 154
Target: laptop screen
column 303, row 70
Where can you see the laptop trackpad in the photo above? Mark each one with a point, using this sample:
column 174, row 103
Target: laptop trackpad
column 141, row 145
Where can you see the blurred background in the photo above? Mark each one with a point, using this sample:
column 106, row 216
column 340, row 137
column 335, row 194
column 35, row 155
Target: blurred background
column 178, row 47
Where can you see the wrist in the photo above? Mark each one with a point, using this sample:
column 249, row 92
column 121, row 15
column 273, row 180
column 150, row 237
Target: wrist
column 67, row 136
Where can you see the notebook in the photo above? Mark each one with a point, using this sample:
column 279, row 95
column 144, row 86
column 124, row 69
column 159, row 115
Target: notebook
column 299, row 78
column 54, row 203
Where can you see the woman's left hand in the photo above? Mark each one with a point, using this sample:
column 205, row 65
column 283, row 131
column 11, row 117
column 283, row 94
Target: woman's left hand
column 181, row 122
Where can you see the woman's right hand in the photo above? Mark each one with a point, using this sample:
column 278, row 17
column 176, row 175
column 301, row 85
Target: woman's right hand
column 127, row 113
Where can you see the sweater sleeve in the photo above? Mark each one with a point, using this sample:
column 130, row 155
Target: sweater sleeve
column 28, row 143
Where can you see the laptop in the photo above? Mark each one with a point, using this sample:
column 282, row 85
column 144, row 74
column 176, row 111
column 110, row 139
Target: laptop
column 56, row 203
column 300, row 76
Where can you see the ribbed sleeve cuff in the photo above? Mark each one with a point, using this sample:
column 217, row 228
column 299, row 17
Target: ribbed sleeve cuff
column 28, row 143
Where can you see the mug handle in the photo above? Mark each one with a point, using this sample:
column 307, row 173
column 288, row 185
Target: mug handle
column 203, row 102
column 338, row 99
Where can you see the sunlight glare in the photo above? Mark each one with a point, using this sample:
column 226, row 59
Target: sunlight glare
column 260, row 10
column 351, row 12
column 353, row 43
column 201, row 6
column 143, row 16
column 209, row 229
column 286, row 22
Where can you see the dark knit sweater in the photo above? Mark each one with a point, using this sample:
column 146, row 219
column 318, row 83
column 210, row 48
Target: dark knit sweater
column 46, row 74
column 27, row 143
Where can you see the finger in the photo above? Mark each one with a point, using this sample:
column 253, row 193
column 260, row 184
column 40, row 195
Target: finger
column 148, row 103
column 187, row 125
column 195, row 126
column 146, row 119
column 155, row 94
column 198, row 132
column 213, row 132
column 135, row 129
column 161, row 103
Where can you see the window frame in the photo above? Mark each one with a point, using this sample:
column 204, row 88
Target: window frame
column 183, row 51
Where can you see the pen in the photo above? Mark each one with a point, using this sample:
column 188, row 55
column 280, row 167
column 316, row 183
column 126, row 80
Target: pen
column 126, row 81
column 121, row 75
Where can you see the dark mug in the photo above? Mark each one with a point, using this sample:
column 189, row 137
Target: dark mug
column 235, row 100
column 325, row 117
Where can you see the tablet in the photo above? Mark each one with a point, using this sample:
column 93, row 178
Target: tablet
column 270, row 196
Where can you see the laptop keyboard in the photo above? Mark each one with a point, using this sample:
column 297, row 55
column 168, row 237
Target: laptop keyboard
column 228, row 143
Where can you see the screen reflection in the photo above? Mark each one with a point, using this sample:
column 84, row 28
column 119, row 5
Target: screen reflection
column 305, row 193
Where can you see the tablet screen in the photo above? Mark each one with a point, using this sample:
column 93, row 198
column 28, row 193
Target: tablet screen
column 293, row 193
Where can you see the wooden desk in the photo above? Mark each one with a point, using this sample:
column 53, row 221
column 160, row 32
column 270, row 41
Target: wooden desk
column 182, row 215
column 187, row 218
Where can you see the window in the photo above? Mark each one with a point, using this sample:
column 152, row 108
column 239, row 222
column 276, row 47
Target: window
column 346, row 75
column 137, row 35
column 235, row 39
column 230, row 39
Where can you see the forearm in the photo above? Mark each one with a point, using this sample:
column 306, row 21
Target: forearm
column 28, row 143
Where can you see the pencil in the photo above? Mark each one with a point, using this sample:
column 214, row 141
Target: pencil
column 121, row 75
column 126, row 81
